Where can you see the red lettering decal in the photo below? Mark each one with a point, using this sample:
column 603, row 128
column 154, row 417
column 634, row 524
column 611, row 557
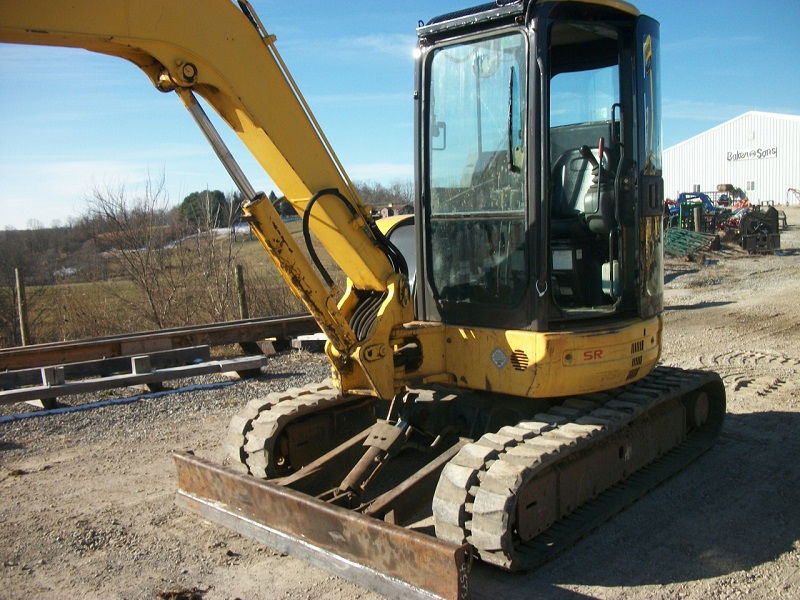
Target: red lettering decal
column 592, row 355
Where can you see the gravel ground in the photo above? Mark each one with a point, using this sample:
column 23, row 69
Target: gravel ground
column 88, row 497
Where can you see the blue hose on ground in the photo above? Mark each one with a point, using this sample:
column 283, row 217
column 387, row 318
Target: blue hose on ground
column 92, row 405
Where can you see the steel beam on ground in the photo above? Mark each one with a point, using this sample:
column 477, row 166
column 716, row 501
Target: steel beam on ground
column 214, row 334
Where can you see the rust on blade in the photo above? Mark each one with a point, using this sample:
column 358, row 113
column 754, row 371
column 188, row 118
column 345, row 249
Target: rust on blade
column 392, row 560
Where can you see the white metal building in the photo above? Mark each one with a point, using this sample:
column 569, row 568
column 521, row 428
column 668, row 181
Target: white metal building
column 756, row 152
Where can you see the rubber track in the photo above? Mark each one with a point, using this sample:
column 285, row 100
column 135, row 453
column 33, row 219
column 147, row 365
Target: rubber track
column 476, row 495
column 252, row 432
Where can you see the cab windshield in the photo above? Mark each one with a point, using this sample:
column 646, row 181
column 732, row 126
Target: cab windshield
column 476, row 141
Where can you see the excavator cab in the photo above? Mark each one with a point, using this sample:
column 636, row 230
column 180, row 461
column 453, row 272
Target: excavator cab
column 536, row 144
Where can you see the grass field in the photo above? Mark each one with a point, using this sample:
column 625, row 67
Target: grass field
column 200, row 293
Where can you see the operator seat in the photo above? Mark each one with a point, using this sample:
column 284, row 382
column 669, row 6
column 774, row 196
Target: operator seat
column 576, row 209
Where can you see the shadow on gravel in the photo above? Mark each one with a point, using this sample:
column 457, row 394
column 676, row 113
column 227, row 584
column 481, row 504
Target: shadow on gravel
column 736, row 507
column 675, row 274
column 697, row 306
column 787, row 252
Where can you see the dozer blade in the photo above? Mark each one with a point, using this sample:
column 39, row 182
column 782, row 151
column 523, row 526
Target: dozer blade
column 393, row 561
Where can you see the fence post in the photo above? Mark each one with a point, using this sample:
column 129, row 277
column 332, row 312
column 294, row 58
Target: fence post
column 22, row 307
column 243, row 312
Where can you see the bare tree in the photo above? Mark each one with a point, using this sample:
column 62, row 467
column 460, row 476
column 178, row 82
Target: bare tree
column 183, row 270
column 216, row 253
column 398, row 195
column 403, row 190
column 145, row 245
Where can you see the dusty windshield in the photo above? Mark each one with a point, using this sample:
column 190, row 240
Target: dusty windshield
column 476, row 125
column 476, row 129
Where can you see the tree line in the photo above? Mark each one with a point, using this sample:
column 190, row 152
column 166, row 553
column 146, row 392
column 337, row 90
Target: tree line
column 132, row 262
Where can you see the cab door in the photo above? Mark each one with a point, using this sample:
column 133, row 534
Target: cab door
column 650, row 185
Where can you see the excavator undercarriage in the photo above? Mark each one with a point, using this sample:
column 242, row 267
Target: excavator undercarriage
column 512, row 485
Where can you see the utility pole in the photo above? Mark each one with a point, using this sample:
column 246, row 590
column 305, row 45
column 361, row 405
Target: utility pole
column 22, row 307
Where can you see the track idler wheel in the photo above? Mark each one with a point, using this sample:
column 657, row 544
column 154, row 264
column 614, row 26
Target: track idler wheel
column 697, row 408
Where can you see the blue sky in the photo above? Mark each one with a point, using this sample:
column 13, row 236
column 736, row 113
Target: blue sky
column 72, row 121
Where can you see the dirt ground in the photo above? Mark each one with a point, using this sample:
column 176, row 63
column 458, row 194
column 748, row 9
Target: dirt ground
column 88, row 498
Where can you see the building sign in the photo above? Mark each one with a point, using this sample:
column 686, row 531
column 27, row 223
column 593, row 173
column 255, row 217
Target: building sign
column 754, row 154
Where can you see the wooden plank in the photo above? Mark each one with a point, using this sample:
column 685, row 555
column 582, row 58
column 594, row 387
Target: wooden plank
column 214, row 334
column 44, row 403
column 106, row 366
column 247, row 363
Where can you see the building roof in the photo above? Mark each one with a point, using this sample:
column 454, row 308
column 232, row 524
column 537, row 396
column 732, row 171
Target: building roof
column 782, row 116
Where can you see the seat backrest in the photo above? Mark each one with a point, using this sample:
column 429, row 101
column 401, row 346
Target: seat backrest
column 575, row 197
column 572, row 176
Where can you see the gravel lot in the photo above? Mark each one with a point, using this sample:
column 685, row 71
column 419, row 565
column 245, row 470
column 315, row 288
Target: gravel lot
column 88, row 497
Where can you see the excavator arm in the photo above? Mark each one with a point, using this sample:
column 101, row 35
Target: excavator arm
column 221, row 52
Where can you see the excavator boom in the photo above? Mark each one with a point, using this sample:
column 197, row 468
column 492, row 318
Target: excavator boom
column 179, row 46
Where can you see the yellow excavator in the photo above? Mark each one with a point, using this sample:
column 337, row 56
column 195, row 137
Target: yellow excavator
column 495, row 391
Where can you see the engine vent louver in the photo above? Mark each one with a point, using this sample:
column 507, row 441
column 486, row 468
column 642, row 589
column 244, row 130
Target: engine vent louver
column 637, row 346
column 519, row 360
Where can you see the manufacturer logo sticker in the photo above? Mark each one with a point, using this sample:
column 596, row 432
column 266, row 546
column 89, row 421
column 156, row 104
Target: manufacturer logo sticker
column 499, row 358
